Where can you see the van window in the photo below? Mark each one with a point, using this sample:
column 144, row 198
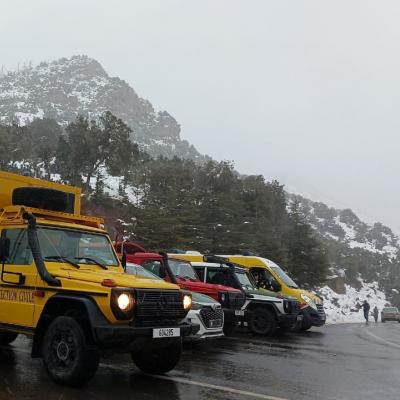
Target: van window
column 285, row 278
column 264, row 279
column 20, row 253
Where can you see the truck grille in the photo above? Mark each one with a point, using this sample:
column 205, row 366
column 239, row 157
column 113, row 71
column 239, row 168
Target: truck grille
column 159, row 306
column 212, row 318
column 291, row 306
column 320, row 309
column 236, row 300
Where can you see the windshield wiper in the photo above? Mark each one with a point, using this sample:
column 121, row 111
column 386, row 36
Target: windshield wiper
column 93, row 260
column 61, row 258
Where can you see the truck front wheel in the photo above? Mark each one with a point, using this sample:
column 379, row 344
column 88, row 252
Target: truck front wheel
column 158, row 360
column 262, row 322
column 230, row 327
column 67, row 356
column 305, row 326
column 7, row 337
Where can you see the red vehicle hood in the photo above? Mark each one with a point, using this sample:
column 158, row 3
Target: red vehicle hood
column 139, row 257
column 201, row 287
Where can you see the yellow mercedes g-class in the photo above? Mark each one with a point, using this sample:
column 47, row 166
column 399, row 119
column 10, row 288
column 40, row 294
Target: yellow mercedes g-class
column 63, row 284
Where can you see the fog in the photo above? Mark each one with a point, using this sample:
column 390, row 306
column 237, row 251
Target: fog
column 306, row 92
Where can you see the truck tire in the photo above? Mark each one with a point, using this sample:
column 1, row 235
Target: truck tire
column 230, row 327
column 7, row 337
column 158, row 360
column 262, row 322
column 305, row 326
column 301, row 326
column 296, row 327
column 68, row 357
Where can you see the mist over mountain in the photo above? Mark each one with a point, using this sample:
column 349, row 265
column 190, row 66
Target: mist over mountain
column 65, row 88
column 358, row 253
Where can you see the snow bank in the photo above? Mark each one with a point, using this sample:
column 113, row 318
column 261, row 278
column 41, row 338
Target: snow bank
column 343, row 308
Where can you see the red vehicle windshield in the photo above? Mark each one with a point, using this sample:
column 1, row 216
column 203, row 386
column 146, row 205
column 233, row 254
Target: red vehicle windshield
column 182, row 269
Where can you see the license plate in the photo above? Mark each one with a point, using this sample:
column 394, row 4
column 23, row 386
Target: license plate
column 215, row 323
column 166, row 332
column 239, row 313
column 299, row 318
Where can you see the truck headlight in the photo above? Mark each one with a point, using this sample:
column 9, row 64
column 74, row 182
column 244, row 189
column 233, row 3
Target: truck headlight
column 187, row 302
column 309, row 301
column 122, row 304
column 223, row 296
column 124, row 301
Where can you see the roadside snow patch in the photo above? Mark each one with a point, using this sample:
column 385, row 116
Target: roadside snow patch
column 343, row 308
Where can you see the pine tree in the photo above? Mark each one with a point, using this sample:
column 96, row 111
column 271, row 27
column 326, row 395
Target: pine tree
column 307, row 260
column 89, row 146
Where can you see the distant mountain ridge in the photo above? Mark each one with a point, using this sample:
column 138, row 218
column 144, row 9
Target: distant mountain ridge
column 345, row 227
column 357, row 251
column 64, row 88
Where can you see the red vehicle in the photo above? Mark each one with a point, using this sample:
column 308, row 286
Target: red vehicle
column 182, row 273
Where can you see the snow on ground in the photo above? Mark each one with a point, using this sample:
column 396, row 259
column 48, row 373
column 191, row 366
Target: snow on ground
column 348, row 230
column 343, row 308
column 114, row 186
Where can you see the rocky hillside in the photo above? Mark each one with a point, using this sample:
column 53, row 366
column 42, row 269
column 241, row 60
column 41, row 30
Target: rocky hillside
column 65, row 88
column 345, row 227
column 358, row 252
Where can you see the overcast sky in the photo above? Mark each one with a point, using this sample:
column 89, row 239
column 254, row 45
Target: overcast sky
column 307, row 92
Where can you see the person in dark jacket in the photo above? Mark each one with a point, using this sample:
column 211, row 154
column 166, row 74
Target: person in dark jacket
column 376, row 313
column 366, row 307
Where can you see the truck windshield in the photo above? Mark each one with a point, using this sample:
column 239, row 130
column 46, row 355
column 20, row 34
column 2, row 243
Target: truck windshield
column 282, row 274
column 78, row 246
column 245, row 281
column 182, row 269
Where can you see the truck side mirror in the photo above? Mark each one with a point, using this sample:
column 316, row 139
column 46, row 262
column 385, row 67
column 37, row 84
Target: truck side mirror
column 276, row 286
column 4, row 249
column 162, row 272
column 123, row 260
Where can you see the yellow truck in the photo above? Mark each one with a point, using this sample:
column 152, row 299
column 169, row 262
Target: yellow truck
column 268, row 275
column 63, row 285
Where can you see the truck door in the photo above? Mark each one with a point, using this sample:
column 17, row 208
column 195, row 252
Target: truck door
column 17, row 280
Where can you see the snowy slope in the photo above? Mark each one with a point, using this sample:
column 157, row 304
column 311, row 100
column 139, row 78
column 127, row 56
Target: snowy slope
column 343, row 308
column 345, row 227
column 65, row 88
column 364, row 256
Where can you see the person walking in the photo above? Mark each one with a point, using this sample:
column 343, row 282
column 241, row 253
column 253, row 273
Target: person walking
column 376, row 313
column 366, row 307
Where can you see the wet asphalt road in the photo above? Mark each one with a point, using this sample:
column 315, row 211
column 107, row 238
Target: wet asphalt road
column 333, row 362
